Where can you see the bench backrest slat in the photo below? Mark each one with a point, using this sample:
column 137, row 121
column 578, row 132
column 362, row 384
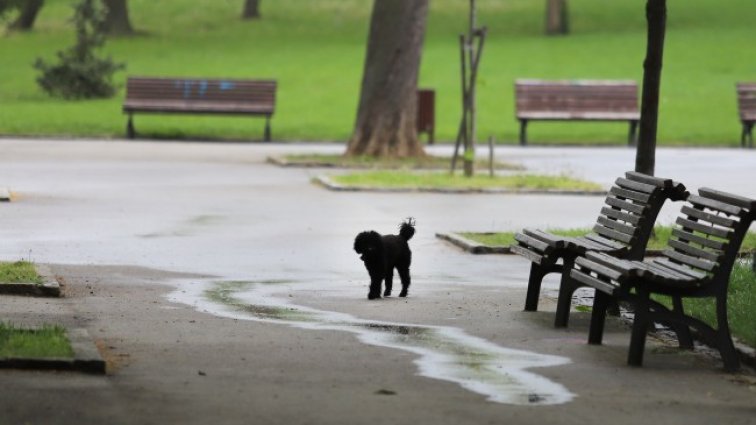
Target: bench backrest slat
column 631, row 209
column 747, row 100
column 711, row 228
column 252, row 92
column 576, row 96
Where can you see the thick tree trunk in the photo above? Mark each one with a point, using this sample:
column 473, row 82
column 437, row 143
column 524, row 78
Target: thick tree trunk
column 557, row 22
column 117, row 18
column 29, row 11
column 656, row 15
column 387, row 110
column 251, row 9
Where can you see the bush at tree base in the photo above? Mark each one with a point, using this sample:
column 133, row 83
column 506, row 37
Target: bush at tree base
column 80, row 74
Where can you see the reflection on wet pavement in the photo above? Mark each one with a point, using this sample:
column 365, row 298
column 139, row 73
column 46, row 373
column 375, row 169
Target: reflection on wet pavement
column 444, row 353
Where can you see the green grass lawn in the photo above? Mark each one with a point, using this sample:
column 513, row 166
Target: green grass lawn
column 44, row 342
column 402, row 179
column 316, row 50
column 18, row 272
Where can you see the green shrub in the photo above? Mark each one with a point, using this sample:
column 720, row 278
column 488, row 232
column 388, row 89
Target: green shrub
column 80, row 74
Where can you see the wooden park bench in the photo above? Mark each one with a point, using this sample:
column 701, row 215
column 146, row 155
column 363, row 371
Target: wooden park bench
column 622, row 229
column 747, row 108
column 697, row 264
column 578, row 100
column 199, row 96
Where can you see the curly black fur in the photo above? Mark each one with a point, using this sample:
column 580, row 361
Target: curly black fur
column 383, row 254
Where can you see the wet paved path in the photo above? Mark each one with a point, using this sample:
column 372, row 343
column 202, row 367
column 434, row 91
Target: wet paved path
column 219, row 213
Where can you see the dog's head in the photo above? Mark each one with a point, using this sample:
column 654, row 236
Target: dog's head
column 369, row 245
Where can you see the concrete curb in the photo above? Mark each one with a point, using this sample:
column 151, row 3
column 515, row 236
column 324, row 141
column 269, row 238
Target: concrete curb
column 48, row 288
column 331, row 185
column 472, row 246
column 5, row 195
column 86, row 357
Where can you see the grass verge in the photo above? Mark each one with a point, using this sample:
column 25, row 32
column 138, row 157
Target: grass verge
column 19, row 272
column 658, row 239
column 366, row 161
column 429, row 180
column 46, row 342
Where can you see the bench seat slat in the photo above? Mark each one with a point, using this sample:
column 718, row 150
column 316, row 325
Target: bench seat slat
column 532, row 243
column 688, row 260
column 554, row 241
column 601, row 269
column 695, row 274
column 608, row 242
column 598, row 284
column 527, row 253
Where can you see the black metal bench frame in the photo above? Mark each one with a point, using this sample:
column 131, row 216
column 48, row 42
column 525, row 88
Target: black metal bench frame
column 199, row 96
column 697, row 264
column 622, row 229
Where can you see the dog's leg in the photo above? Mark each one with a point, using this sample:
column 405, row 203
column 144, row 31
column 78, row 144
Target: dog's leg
column 404, row 274
column 389, row 282
column 376, row 278
column 375, row 289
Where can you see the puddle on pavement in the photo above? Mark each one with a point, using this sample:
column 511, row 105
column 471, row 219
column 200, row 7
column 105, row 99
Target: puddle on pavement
column 445, row 353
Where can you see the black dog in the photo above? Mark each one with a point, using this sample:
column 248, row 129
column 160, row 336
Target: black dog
column 382, row 254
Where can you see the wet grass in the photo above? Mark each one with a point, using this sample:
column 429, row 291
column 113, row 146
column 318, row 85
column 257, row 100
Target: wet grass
column 440, row 181
column 741, row 304
column 365, row 161
column 46, row 342
column 19, row 272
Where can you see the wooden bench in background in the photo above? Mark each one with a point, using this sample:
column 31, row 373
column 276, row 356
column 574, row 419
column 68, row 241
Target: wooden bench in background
column 697, row 264
column 747, row 108
column 622, row 230
column 578, row 100
column 199, row 96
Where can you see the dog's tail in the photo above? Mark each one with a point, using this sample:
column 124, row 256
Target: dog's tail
column 407, row 229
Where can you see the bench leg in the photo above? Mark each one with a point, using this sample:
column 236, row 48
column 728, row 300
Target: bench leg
column 266, row 136
column 598, row 318
column 567, row 287
column 682, row 330
column 632, row 137
column 534, row 287
column 431, row 136
column 130, row 132
column 746, row 138
column 641, row 323
column 724, row 340
column 523, row 130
